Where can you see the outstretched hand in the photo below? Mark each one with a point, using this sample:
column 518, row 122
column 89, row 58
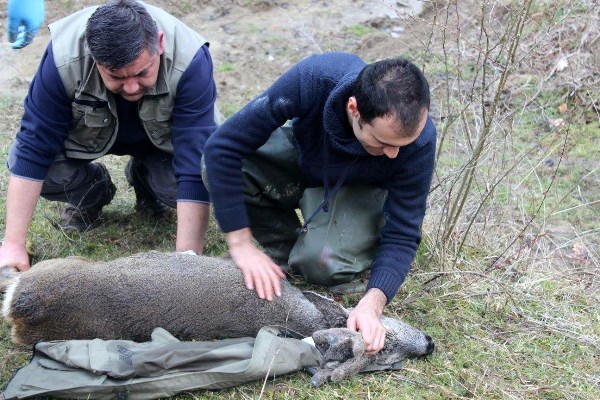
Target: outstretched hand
column 366, row 319
column 25, row 17
column 259, row 271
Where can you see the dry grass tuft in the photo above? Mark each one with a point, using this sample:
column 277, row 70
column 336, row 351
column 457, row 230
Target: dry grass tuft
column 507, row 278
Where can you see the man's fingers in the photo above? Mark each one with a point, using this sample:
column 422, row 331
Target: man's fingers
column 268, row 287
column 263, row 277
column 259, row 287
column 351, row 323
column 365, row 332
column 377, row 341
column 271, row 281
column 248, row 280
column 374, row 347
column 380, row 342
column 22, row 267
column 276, row 276
column 278, row 271
column 370, row 328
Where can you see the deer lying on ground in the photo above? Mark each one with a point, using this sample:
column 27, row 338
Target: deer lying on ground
column 194, row 298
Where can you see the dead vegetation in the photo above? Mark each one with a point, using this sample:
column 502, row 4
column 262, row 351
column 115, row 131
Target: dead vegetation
column 506, row 280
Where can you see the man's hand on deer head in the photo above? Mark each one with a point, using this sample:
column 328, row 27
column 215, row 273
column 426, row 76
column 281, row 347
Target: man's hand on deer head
column 366, row 319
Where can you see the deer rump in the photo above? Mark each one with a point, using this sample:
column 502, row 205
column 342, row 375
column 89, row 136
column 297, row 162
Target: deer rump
column 192, row 297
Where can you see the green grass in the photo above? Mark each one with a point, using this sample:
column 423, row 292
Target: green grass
column 225, row 67
column 516, row 313
column 228, row 109
column 484, row 344
column 359, row 30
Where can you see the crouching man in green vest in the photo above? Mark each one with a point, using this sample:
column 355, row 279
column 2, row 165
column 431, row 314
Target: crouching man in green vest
column 124, row 78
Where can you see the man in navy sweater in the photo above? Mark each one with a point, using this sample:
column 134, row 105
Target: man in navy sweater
column 360, row 139
column 124, row 78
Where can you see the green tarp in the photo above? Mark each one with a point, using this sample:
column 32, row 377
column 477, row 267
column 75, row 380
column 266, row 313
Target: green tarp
column 162, row 367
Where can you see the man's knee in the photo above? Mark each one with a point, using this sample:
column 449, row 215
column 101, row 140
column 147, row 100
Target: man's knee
column 340, row 244
column 323, row 264
column 61, row 174
column 153, row 175
column 203, row 173
column 78, row 182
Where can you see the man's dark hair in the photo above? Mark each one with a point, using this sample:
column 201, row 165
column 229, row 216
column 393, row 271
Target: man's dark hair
column 119, row 31
column 392, row 87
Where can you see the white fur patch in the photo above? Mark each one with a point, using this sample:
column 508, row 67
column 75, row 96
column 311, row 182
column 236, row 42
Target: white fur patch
column 309, row 340
column 8, row 297
column 320, row 295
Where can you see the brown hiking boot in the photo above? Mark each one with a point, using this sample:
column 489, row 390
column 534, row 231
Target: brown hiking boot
column 81, row 220
column 74, row 218
column 149, row 205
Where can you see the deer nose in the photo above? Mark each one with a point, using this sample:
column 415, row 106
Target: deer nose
column 430, row 344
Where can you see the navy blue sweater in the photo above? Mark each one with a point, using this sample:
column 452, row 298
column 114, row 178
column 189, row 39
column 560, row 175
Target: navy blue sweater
column 47, row 117
column 314, row 94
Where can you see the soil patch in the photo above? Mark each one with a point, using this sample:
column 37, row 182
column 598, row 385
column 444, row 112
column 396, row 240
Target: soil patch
column 252, row 42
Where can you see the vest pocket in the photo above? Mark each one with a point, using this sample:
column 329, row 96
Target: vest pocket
column 160, row 136
column 91, row 127
column 155, row 114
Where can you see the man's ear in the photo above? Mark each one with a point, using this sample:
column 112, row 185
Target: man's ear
column 352, row 107
column 161, row 47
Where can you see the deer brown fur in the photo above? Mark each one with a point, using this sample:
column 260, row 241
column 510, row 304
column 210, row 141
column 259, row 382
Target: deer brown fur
column 192, row 297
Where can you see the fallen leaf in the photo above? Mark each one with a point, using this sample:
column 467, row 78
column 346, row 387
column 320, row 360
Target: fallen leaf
column 563, row 108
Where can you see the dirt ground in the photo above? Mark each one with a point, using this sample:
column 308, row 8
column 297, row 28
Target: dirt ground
column 512, row 297
column 252, row 42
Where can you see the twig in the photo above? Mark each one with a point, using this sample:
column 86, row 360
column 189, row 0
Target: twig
column 264, row 385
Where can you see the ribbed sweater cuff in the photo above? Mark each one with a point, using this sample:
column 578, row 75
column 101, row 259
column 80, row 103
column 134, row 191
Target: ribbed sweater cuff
column 232, row 219
column 28, row 170
column 386, row 282
column 192, row 191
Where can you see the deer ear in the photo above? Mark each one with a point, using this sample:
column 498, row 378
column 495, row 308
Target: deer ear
column 390, row 356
